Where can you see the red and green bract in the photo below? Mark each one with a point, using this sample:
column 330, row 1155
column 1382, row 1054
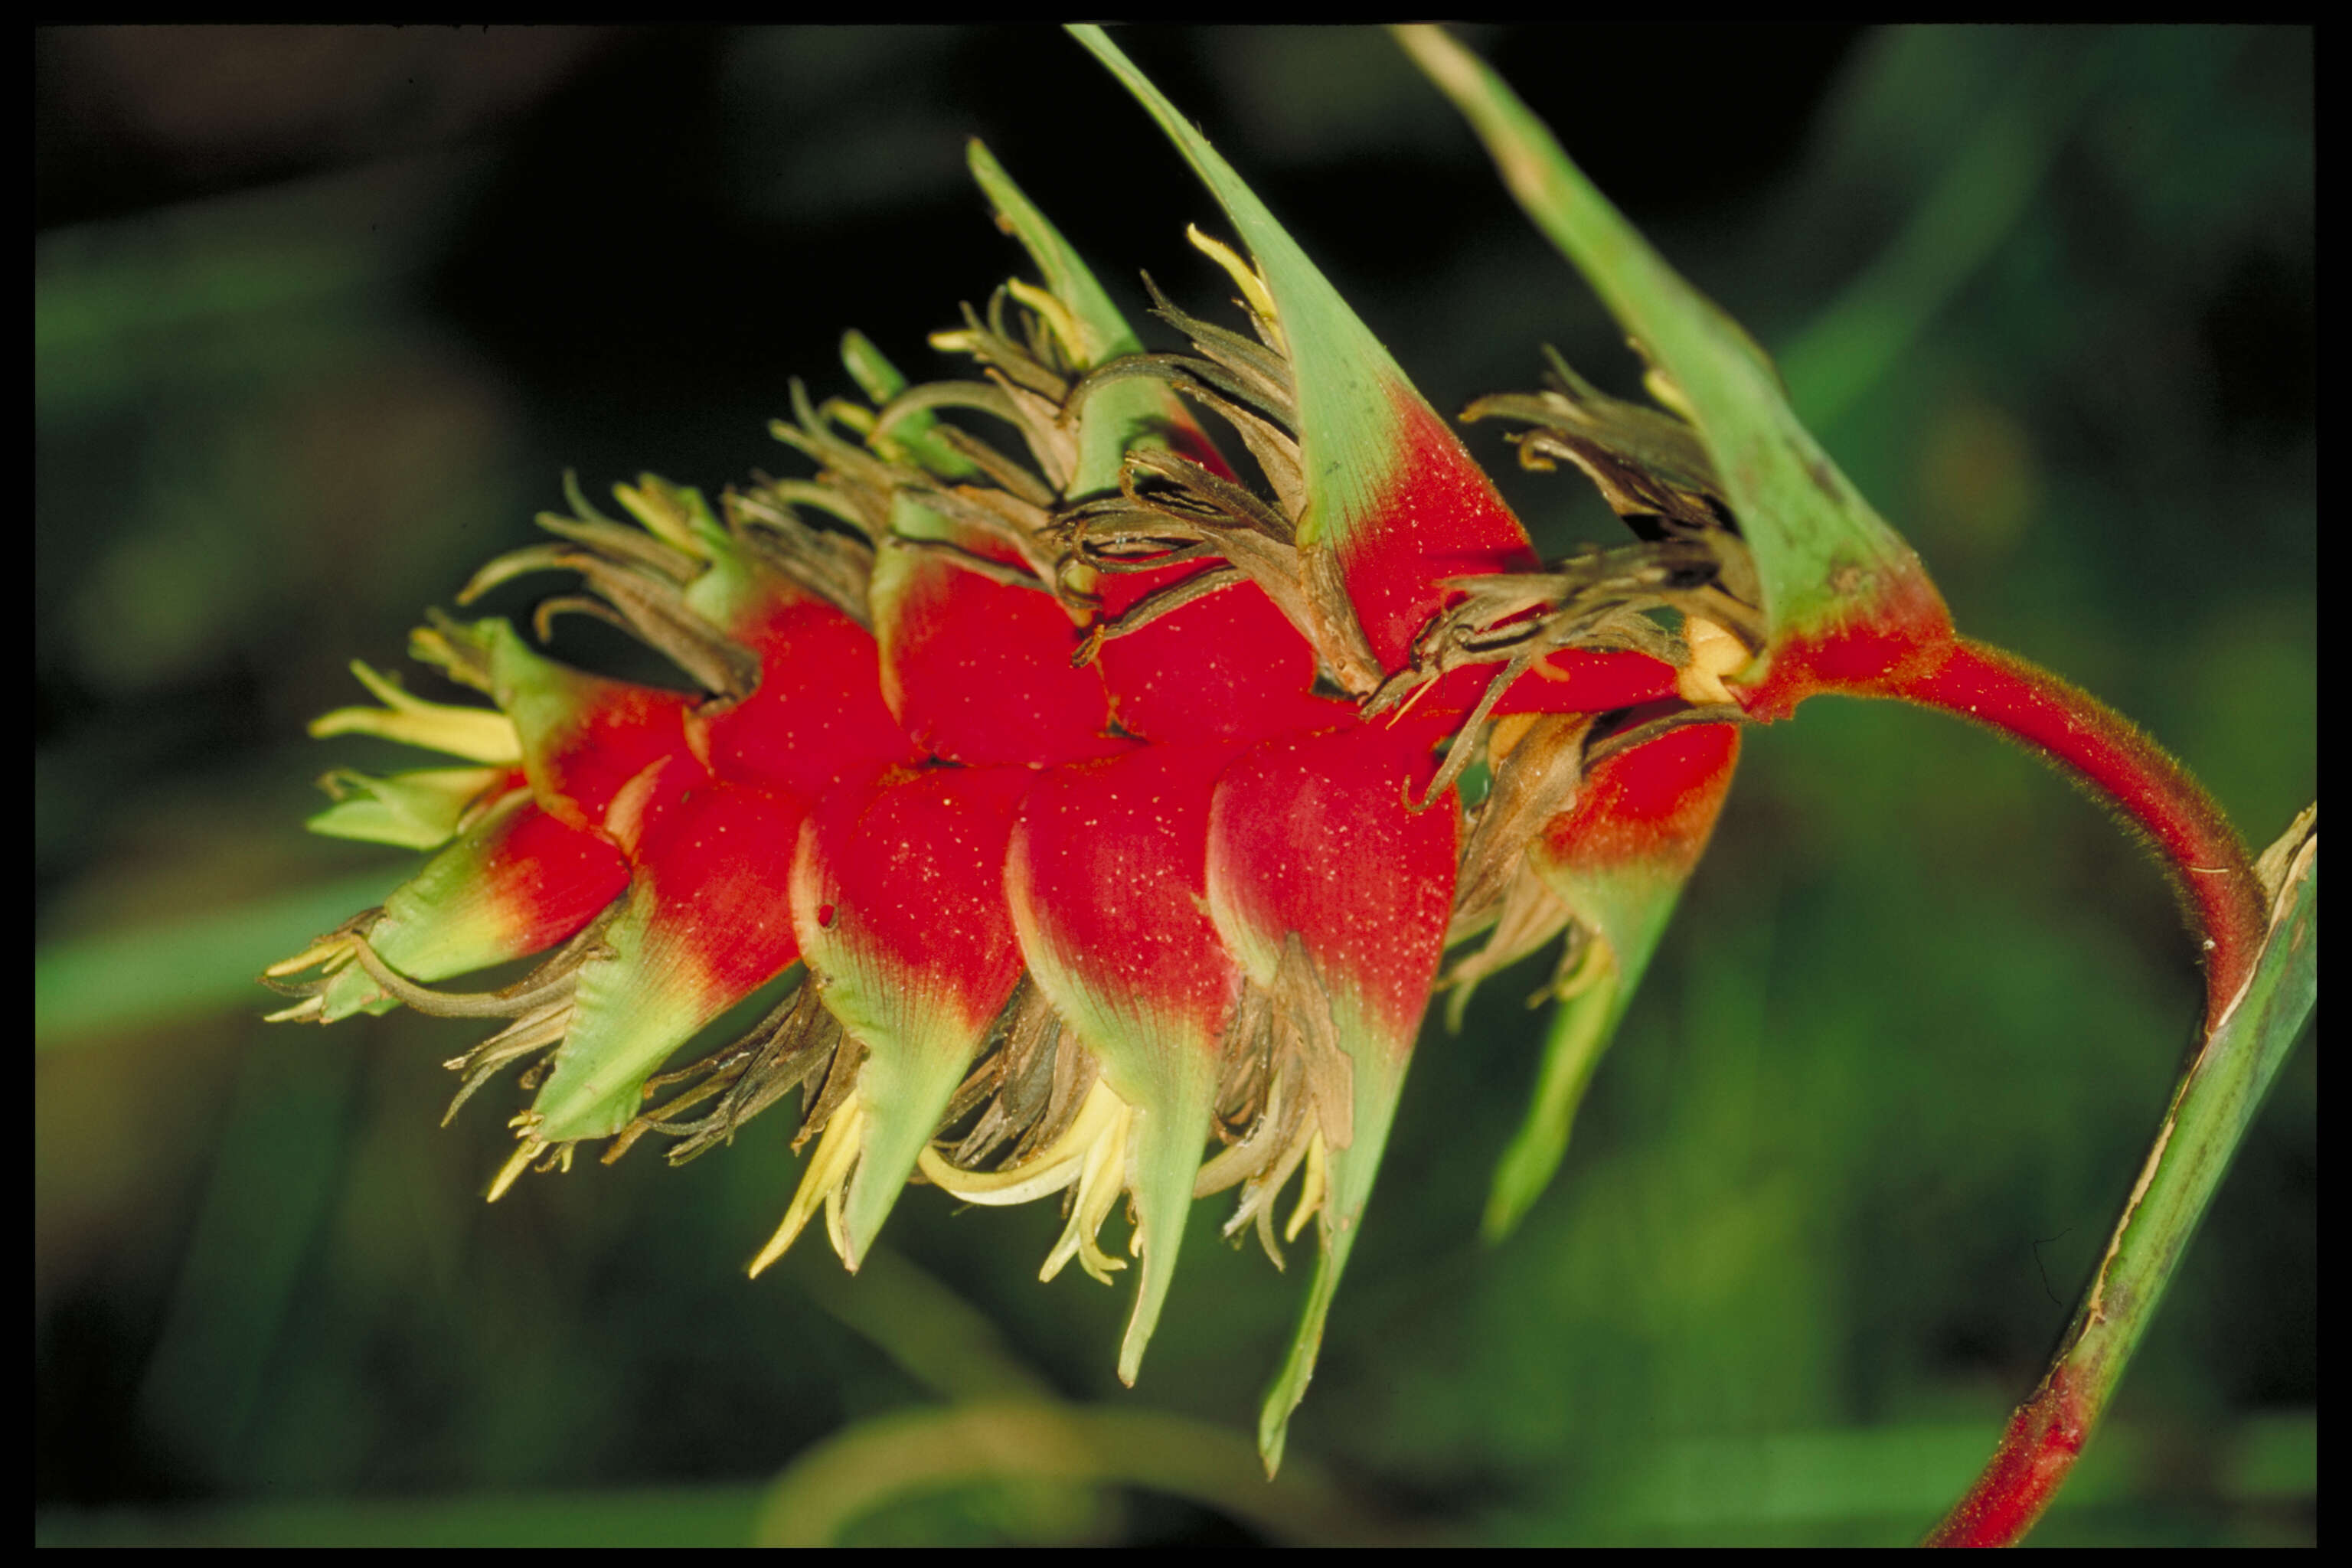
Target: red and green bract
column 1147, row 878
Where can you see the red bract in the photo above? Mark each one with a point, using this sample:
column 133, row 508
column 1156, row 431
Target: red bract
column 979, row 671
column 1219, row 667
column 515, row 881
column 897, row 891
column 583, row 738
column 1441, row 519
column 1103, row 815
column 818, row 701
column 1649, row 807
column 1105, row 875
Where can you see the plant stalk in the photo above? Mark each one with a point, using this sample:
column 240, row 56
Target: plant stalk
column 2204, row 852
column 2214, row 1105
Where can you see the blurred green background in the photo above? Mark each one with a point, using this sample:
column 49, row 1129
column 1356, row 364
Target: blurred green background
column 321, row 315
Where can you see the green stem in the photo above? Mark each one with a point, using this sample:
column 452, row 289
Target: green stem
column 2211, row 1111
column 2257, row 992
column 830, row 1487
column 1850, row 610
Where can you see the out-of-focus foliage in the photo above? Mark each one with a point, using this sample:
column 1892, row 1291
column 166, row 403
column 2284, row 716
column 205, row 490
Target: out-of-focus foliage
column 320, row 317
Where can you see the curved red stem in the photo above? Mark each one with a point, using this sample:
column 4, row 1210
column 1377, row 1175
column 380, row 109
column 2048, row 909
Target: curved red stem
column 1903, row 647
column 2070, row 726
column 2215, row 874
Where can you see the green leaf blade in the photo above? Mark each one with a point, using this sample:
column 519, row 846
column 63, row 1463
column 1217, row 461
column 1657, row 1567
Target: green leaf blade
column 1824, row 555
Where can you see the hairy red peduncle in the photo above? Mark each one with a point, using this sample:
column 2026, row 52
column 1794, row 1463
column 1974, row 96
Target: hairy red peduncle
column 1903, row 646
column 2099, row 745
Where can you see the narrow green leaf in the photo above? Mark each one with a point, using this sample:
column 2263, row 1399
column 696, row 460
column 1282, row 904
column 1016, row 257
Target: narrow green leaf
column 1820, row 549
column 1297, row 1369
column 1119, row 415
column 1342, row 371
column 1581, row 1029
column 1629, row 907
column 1378, row 1084
column 1103, row 333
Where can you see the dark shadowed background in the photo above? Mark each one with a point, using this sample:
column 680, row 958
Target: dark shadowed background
column 320, row 317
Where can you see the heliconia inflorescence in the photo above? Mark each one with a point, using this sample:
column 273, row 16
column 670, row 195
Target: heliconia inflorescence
column 1106, row 805
column 1111, row 816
